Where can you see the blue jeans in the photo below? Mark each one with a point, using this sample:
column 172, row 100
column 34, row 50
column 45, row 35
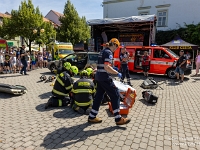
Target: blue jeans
column 24, row 63
column 125, row 71
column 112, row 91
column 179, row 70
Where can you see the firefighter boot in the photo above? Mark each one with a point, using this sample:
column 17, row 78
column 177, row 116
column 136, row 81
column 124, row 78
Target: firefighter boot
column 123, row 121
column 78, row 109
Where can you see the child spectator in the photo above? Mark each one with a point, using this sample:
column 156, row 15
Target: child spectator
column 40, row 60
column 13, row 62
column 49, row 56
column 33, row 62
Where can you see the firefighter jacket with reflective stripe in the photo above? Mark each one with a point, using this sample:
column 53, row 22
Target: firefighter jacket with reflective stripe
column 83, row 91
column 105, row 57
column 63, row 85
column 122, row 56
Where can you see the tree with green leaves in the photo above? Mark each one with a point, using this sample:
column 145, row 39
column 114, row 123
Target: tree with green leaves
column 73, row 28
column 24, row 21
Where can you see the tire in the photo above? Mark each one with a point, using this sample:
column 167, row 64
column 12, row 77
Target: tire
column 171, row 73
column 52, row 67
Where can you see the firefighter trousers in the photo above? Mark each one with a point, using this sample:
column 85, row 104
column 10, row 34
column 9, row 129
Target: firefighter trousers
column 125, row 72
column 112, row 91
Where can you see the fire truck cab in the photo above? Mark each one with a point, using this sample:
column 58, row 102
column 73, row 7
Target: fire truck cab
column 162, row 60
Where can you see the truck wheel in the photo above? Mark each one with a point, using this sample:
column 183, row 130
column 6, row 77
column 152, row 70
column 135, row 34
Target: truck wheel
column 171, row 73
column 52, row 67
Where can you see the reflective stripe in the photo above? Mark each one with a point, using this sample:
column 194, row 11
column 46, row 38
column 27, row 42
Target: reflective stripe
column 94, row 111
column 100, row 65
column 118, row 60
column 116, row 110
column 118, row 116
column 91, row 115
column 59, row 102
column 101, row 70
column 83, row 104
column 83, row 91
column 161, row 63
column 69, row 87
column 107, row 59
column 60, row 93
column 60, row 81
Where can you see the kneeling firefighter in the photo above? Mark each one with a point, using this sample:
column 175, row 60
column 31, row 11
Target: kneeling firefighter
column 83, row 92
column 66, row 67
column 62, row 88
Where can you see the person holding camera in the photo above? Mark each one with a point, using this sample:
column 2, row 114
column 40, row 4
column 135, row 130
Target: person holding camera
column 145, row 63
column 124, row 58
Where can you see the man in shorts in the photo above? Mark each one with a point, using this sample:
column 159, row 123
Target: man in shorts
column 180, row 66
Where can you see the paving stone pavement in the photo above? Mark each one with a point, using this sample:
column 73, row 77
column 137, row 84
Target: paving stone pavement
column 173, row 123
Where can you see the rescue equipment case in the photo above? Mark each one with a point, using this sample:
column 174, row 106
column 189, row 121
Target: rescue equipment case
column 13, row 89
column 128, row 94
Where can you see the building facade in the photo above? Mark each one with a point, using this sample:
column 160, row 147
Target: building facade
column 54, row 17
column 171, row 14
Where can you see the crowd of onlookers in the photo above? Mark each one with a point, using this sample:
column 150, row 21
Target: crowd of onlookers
column 10, row 60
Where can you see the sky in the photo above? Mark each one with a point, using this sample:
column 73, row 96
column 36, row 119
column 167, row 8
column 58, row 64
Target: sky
column 91, row 9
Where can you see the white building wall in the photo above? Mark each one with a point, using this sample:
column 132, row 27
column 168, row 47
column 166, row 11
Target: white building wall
column 179, row 11
column 53, row 17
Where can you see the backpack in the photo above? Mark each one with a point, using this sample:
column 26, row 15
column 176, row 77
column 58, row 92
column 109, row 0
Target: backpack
column 149, row 83
column 149, row 97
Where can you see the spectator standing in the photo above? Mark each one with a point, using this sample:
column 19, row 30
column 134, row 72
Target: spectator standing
column 197, row 60
column 23, row 54
column 18, row 64
column 7, row 62
column 180, row 66
column 28, row 59
column 45, row 59
column 1, row 61
column 40, row 60
column 49, row 56
column 13, row 62
column 33, row 62
column 145, row 63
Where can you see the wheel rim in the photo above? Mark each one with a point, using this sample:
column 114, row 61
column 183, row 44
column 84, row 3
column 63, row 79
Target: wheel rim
column 171, row 74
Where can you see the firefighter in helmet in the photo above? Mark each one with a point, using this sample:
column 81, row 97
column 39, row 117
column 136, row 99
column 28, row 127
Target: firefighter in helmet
column 83, row 91
column 62, row 87
column 66, row 67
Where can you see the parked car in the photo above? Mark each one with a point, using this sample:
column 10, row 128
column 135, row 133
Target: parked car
column 80, row 59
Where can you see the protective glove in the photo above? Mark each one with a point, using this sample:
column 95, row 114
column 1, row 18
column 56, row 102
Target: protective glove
column 119, row 75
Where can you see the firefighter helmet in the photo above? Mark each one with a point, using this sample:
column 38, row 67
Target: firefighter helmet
column 74, row 69
column 84, row 73
column 114, row 41
column 90, row 71
column 67, row 65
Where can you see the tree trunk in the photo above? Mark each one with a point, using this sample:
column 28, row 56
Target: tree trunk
column 29, row 46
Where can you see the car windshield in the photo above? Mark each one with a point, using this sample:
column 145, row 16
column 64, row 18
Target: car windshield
column 172, row 53
column 65, row 51
column 93, row 57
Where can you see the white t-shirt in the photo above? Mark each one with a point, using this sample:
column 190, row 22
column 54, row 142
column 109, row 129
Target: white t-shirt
column 1, row 59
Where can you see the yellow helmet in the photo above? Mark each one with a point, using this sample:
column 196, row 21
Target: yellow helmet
column 115, row 41
column 84, row 73
column 90, row 71
column 74, row 69
column 67, row 65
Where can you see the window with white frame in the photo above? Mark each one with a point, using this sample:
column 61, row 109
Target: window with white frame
column 162, row 18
